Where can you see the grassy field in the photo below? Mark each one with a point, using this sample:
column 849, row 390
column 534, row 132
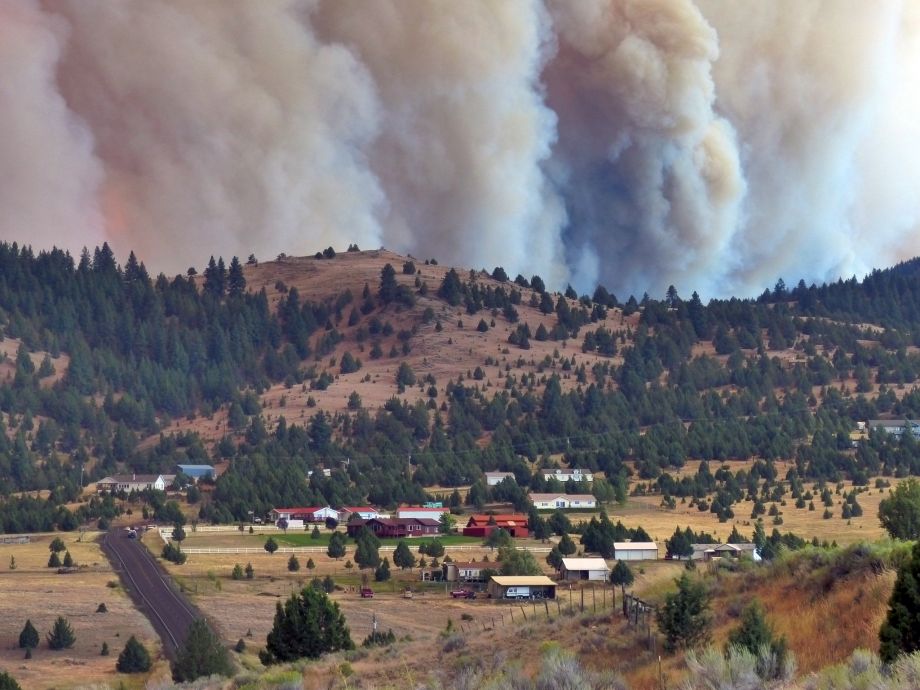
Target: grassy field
column 38, row 593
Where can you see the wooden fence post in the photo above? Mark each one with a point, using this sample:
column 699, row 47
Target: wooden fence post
column 523, row 613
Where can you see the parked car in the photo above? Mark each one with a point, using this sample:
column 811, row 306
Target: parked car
column 367, row 593
column 463, row 594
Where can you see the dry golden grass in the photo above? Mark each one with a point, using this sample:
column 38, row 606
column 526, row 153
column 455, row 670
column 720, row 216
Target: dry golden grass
column 660, row 523
column 35, row 592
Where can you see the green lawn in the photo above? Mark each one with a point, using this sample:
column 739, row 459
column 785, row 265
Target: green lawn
column 304, row 539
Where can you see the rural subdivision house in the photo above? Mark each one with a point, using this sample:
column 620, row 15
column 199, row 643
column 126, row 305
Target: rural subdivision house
column 562, row 501
column 465, row 572
column 396, row 528
column 521, row 587
column 575, row 474
column 362, row 512
column 132, row 482
column 302, row 515
column 592, row 569
column 708, row 552
column 515, row 524
column 635, row 551
column 421, row 512
column 496, row 478
column 896, row 427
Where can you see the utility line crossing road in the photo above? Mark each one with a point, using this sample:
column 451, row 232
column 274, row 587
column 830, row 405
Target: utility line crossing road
column 151, row 588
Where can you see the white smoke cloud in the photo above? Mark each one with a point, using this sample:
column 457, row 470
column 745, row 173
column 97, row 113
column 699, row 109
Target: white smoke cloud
column 711, row 145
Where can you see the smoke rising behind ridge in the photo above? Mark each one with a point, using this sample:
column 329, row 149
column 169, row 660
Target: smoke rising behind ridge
column 712, row 145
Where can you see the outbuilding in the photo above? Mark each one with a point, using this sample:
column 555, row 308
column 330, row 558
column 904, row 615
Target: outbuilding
column 593, row 569
column 521, row 587
column 465, row 572
column 635, row 551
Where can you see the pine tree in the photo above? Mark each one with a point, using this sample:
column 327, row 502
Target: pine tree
column 203, row 654
column 237, row 573
column 61, row 635
column 104, row 651
column 622, row 575
column 134, row 658
column 336, row 548
column 402, row 556
column 367, row 554
column 308, row 625
column 68, row 560
column 54, row 561
column 900, row 633
column 567, row 546
column 382, row 574
column 28, row 638
column 684, row 619
column 388, row 285
column 293, row 564
column 250, row 573
column 271, row 545
column 236, row 281
column 554, row 558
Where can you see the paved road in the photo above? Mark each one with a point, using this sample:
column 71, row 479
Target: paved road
column 151, row 588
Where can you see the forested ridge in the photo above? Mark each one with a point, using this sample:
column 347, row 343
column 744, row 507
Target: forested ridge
column 786, row 375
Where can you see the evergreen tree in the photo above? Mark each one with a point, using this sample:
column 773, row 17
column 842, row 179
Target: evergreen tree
column 237, row 573
column 61, row 635
column 134, row 658
column 203, row 654
column 684, row 619
column 250, row 572
column 388, row 284
column 57, row 545
column 68, row 560
column 293, row 564
column 622, row 575
column 236, row 281
column 271, row 545
column 28, row 638
column 900, row 512
column 517, row 562
column 336, row 548
column 679, row 545
column 756, row 635
column 402, row 556
column 567, row 546
column 54, row 561
column 367, row 554
column 308, row 625
column 900, row 633
column 451, row 290
column 382, row 574
column 554, row 558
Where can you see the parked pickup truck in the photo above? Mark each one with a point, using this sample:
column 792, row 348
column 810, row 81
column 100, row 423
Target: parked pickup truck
column 463, row 594
column 367, row 593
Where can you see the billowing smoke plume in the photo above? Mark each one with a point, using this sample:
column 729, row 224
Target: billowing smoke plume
column 711, row 145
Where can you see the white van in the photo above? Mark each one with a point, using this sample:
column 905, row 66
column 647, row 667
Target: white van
column 517, row 593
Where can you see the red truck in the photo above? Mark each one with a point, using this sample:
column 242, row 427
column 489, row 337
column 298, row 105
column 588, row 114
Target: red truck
column 463, row 594
column 367, row 593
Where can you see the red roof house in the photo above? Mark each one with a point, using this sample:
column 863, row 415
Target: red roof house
column 397, row 528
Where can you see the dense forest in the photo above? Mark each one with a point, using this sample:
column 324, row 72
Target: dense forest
column 144, row 351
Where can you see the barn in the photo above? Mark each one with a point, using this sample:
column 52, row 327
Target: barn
column 635, row 551
column 515, row 524
column 593, row 569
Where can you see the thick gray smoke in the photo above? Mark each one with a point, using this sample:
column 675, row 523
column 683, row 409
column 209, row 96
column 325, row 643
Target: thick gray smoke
column 713, row 145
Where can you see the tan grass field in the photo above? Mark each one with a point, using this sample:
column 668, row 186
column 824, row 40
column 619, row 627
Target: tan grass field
column 33, row 591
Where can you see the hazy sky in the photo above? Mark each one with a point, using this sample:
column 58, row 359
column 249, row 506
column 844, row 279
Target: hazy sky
column 715, row 145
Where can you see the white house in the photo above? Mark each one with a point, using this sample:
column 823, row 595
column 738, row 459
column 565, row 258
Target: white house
column 554, row 501
column 635, row 551
column 496, row 478
column 363, row 512
column 421, row 512
column 594, row 569
column 302, row 515
column 575, row 474
column 465, row 572
column 132, row 482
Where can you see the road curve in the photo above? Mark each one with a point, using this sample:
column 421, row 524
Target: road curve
column 151, row 589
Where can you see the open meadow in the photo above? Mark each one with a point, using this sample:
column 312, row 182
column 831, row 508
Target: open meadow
column 34, row 591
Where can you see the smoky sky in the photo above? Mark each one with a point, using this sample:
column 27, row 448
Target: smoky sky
column 714, row 145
